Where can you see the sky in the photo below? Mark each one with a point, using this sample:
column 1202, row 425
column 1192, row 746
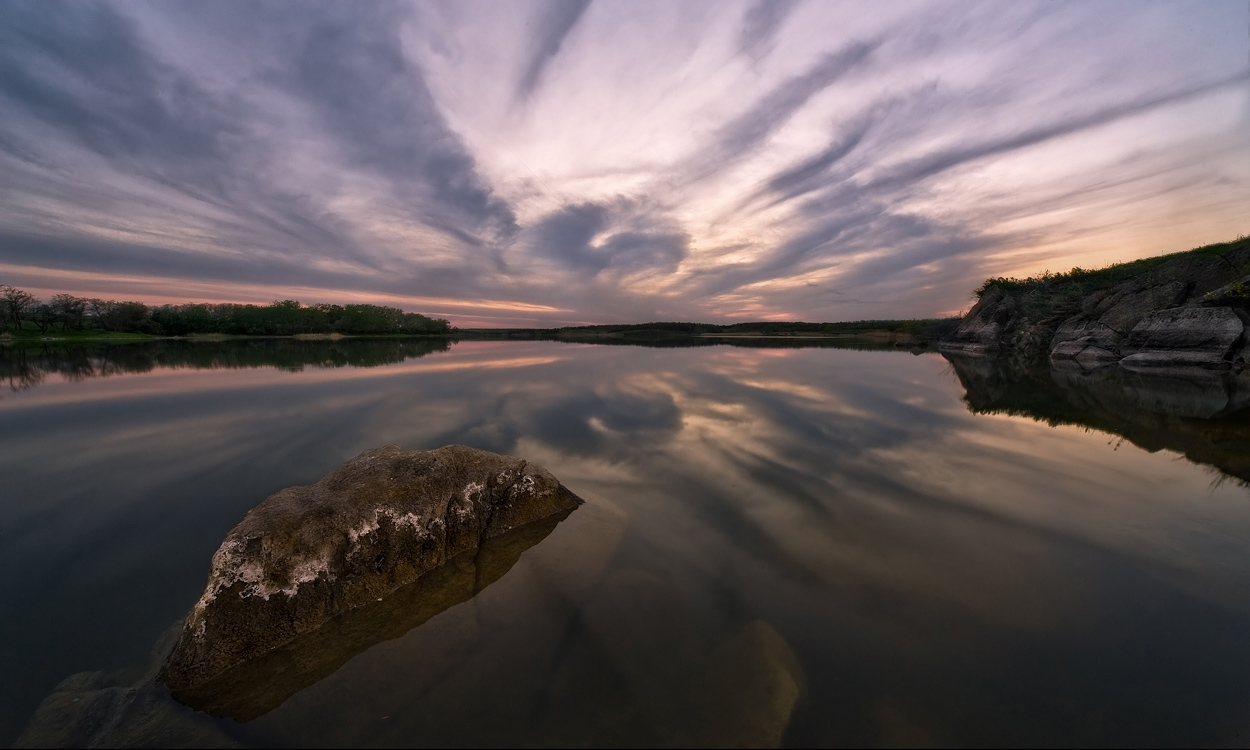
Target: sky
column 558, row 162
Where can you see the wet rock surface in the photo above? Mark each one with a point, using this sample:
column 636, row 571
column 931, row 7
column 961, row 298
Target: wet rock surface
column 253, row 688
column 308, row 557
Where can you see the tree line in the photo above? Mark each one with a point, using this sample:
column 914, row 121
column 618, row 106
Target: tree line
column 65, row 312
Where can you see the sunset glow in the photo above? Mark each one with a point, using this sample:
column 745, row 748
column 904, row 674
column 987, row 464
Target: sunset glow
column 549, row 163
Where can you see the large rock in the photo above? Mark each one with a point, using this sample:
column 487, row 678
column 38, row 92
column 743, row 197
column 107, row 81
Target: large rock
column 982, row 329
column 1128, row 303
column 1184, row 336
column 1096, row 318
column 1090, row 342
column 1097, row 335
column 308, row 556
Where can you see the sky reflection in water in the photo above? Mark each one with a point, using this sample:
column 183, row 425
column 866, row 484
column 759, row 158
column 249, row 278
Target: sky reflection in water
column 941, row 576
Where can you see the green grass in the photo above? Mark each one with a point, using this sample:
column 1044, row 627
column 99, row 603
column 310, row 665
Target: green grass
column 28, row 334
column 1086, row 281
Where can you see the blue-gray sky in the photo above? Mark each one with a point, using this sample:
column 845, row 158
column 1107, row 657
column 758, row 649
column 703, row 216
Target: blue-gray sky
column 573, row 161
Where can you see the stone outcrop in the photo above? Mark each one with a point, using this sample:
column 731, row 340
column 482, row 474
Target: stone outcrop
column 1185, row 336
column 1189, row 310
column 308, row 560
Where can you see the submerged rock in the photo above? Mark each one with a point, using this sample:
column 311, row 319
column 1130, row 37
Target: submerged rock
column 388, row 522
column 84, row 711
column 94, row 709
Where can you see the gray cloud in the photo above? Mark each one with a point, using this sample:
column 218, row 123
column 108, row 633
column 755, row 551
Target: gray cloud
column 810, row 174
column 627, row 245
column 84, row 71
column 760, row 25
column 936, row 163
column 356, row 74
column 308, row 145
column 752, row 128
column 851, row 215
column 81, row 69
column 553, row 28
column 566, row 236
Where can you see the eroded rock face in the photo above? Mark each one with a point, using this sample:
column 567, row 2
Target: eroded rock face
column 308, row 554
column 1185, row 311
column 1184, row 336
column 981, row 331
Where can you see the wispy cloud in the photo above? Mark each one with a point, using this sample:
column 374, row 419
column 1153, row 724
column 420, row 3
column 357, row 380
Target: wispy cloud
column 760, row 26
column 679, row 160
column 561, row 17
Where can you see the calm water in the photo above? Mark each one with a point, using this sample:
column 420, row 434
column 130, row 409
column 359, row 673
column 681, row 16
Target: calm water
column 828, row 546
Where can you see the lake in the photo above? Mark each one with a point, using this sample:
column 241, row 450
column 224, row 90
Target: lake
column 808, row 545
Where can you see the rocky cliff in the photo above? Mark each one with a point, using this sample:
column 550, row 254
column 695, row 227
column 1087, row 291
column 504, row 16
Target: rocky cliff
column 1184, row 310
column 308, row 556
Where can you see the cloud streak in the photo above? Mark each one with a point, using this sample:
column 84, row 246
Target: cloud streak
column 561, row 17
column 694, row 160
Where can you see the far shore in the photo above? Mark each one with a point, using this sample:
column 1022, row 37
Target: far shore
column 888, row 331
column 92, row 337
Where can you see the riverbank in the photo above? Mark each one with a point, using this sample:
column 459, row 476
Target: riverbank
column 71, row 337
column 921, row 332
column 1189, row 309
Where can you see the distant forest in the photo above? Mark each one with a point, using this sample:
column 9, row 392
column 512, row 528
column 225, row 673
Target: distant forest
column 21, row 310
column 925, row 328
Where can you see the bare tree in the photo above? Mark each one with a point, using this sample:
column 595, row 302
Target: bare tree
column 43, row 315
column 70, row 310
column 17, row 303
column 100, row 310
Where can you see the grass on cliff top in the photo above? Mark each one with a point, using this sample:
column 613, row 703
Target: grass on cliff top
column 1085, row 281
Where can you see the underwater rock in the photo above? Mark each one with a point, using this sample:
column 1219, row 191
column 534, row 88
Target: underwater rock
column 94, row 709
column 295, row 586
column 85, row 712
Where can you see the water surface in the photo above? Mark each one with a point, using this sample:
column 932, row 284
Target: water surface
column 917, row 551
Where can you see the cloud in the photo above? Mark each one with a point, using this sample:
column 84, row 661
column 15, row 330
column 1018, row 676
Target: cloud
column 85, row 73
column 760, row 25
column 936, row 163
column 589, row 238
column 749, row 130
column 566, row 236
column 554, row 28
column 695, row 160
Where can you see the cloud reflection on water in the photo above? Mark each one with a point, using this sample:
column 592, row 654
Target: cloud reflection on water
column 917, row 557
